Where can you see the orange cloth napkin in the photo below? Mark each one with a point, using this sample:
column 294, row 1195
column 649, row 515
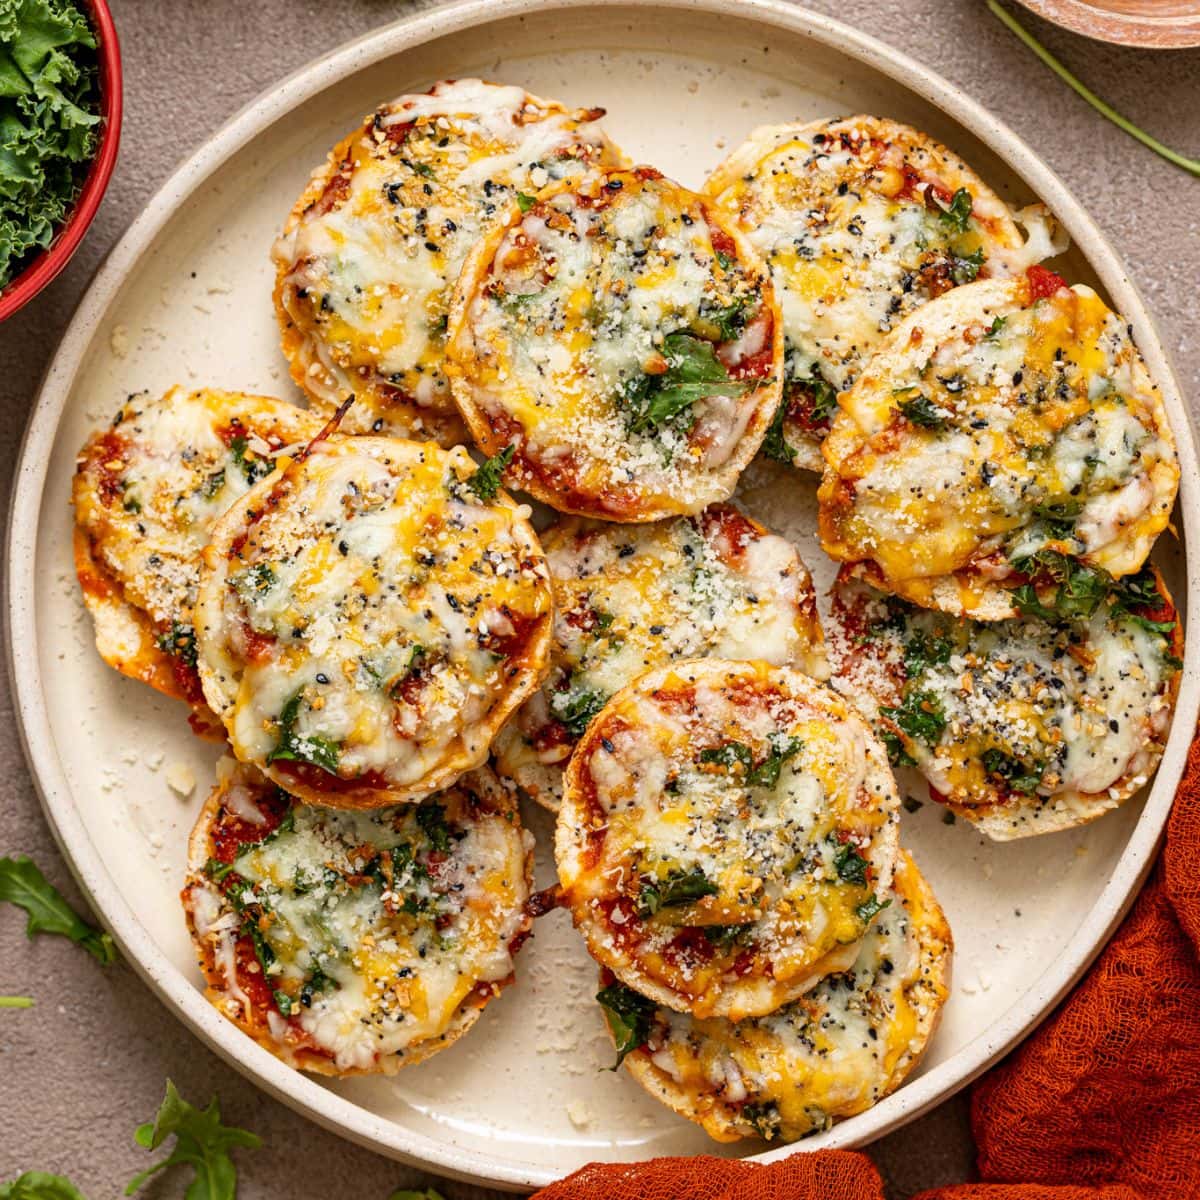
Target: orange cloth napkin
column 1102, row 1103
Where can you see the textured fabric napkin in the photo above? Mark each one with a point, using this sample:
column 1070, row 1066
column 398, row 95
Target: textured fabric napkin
column 1102, row 1103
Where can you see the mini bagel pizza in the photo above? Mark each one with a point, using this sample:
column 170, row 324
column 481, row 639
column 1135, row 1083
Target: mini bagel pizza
column 371, row 252
column 726, row 836
column 842, row 1047
column 861, row 221
column 1023, row 726
column 631, row 598
column 369, row 616
column 620, row 343
column 146, row 493
column 350, row 943
column 1005, row 434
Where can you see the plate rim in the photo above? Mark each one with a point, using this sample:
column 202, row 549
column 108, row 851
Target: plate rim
column 173, row 987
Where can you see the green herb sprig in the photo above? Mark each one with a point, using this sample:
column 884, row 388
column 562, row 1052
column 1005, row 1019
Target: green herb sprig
column 23, row 884
column 1075, row 84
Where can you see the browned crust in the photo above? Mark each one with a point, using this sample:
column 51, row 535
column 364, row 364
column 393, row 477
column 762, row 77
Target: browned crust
column 253, row 1022
column 461, row 362
column 542, row 782
column 126, row 639
column 573, row 828
column 969, row 591
column 994, row 815
column 523, row 679
column 996, row 818
column 932, row 985
column 941, row 163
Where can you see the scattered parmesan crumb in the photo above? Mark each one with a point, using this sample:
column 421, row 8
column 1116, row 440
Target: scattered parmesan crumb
column 579, row 1113
column 181, row 779
column 118, row 341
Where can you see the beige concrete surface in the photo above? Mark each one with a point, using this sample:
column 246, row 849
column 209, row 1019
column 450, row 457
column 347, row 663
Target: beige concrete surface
column 83, row 1068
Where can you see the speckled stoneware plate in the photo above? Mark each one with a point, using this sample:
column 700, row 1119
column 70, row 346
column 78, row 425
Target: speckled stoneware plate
column 185, row 297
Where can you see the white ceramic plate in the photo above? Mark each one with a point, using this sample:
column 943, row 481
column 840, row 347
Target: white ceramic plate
column 185, row 297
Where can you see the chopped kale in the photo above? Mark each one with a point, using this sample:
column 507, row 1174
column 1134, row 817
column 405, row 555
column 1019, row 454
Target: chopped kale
column 679, row 887
column 1017, row 775
column 485, row 482
column 919, row 715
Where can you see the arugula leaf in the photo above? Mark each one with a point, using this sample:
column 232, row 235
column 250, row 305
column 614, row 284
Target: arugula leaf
column 958, row 214
column 1140, row 591
column 693, row 372
column 409, row 1194
column 920, row 410
column 628, row 1015
column 576, row 708
column 919, row 715
column 680, row 887
column 525, row 202
column 1078, row 590
column 485, row 483
column 1019, row 776
column 298, row 747
column 201, row 1142
column 993, row 330
column 37, row 1185
column 15, row 1002
column 22, row 884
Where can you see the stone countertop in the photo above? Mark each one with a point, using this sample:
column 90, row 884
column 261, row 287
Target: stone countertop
column 83, row 1068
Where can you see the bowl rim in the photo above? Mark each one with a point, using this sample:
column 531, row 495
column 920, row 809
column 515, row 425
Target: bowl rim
column 1118, row 28
column 66, row 241
column 341, row 1114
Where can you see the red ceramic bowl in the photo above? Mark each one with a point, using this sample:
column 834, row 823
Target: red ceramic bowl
column 50, row 261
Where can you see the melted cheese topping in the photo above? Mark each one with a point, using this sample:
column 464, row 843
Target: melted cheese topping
column 990, row 417
column 628, row 600
column 839, row 1049
column 149, row 489
column 854, row 219
column 723, row 832
column 368, row 621
column 369, row 258
column 623, row 342
column 1035, row 722
column 382, row 931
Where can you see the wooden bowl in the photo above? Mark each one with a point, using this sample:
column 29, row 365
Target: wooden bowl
column 1152, row 24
